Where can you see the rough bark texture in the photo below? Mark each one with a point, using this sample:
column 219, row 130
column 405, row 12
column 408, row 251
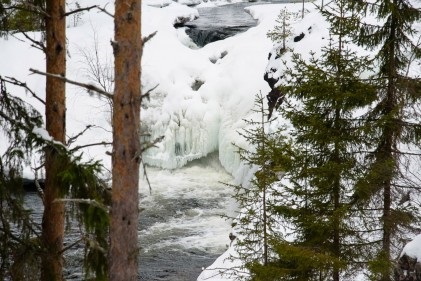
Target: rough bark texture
column 53, row 218
column 126, row 143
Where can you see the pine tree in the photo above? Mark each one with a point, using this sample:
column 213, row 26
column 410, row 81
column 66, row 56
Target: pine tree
column 390, row 125
column 323, row 95
column 126, row 141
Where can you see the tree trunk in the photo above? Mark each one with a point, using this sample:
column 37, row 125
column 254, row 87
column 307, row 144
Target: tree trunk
column 126, row 142
column 55, row 112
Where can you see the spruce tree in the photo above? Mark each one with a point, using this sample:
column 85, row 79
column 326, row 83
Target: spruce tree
column 283, row 30
column 256, row 223
column 20, row 236
column 322, row 97
column 391, row 125
column 22, row 16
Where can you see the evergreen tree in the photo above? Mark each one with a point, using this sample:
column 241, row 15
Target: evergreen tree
column 19, row 249
column 22, row 16
column 20, row 236
column 256, row 223
column 283, row 30
column 391, row 126
column 322, row 97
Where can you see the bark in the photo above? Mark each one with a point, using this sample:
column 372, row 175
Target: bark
column 126, row 142
column 55, row 111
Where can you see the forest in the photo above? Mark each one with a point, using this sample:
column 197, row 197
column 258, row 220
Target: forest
column 332, row 149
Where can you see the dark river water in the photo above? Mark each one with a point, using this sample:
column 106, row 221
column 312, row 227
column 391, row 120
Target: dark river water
column 218, row 23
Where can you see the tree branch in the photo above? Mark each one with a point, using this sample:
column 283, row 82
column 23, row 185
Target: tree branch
column 84, row 201
column 146, row 95
column 79, row 10
column 72, row 139
column 151, row 144
column 36, row 44
column 89, row 145
column 16, row 82
column 149, row 37
column 89, row 87
column 28, row 7
column 105, row 11
column 146, row 176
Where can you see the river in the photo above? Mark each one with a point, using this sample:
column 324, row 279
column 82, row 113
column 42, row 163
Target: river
column 181, row 228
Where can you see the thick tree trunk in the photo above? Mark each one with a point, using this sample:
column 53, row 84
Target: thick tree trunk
column 126, row 142
column 55, row 111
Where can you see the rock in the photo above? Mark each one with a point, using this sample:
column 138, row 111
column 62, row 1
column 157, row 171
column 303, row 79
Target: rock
column 407, row 269
column 299, row 37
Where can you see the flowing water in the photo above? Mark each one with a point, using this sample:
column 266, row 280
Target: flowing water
column 181, row 228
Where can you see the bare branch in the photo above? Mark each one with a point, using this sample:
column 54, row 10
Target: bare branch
column 151, row 144
column 149, row 37
column 105, row 11
column 80, row 10
column 36, row 44
column 89, row 145
column 146, row 176
column 146, row 95
column 39, row 189
column 84, row 201
column 73, row 139
column 16, row 82
column 89, row 87
column 70, row 246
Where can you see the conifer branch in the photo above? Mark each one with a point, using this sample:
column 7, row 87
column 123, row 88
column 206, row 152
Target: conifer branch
column 26, row 6
column 89, row 87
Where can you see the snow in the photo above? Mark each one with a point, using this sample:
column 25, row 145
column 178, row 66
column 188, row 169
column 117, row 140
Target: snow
column 413, row 248
column 194, row 122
